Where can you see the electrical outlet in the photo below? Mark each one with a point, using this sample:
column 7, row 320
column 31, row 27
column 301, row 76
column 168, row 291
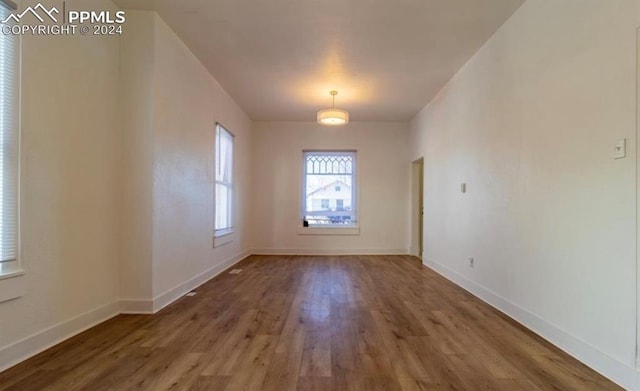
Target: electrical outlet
column 471, row 262
column 620, row 149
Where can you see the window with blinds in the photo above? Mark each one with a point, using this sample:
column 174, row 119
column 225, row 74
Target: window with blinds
column 224, row 181
column 9, row 136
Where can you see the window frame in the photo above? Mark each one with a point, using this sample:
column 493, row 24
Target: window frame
column 11, row 271
column 223, row 235
column 330, row 229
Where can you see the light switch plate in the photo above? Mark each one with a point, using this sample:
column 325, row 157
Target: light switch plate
column 620, row 149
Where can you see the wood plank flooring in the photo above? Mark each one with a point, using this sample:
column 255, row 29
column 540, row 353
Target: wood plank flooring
column 285, row 323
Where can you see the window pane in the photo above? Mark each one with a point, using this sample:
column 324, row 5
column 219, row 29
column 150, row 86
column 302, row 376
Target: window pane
column 329, row 192
column 9, row 267
column 223, row 211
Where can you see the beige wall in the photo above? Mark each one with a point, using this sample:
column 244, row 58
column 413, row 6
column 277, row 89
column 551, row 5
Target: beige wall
column 187, row 104
column 137, row 48
column 69, row 185
column 383, row 177
column 549, row 216
column 170, row 110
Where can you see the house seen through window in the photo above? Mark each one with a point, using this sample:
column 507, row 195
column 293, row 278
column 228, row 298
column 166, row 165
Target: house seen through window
column 329, row 188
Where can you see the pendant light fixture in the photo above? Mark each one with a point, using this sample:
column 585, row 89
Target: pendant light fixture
column 333, row 116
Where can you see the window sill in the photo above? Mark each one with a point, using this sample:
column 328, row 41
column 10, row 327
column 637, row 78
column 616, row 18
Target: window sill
column 330, row 231
column 224, row 238
column 11, row 285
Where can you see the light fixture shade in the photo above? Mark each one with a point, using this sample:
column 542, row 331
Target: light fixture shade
column 333, row 117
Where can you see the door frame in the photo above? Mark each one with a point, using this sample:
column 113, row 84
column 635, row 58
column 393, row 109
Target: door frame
column 637, row 119
column 417, row 208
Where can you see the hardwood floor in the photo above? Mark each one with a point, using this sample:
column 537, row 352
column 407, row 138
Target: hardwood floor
column 311, row 323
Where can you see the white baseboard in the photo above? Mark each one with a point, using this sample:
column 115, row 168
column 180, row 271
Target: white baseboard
column 151, row 306
column 173, row 294
column 141, row 306
column 606, row 365
column 613, row 369
column 315, row 251
column 136, row 306
column 30, row 346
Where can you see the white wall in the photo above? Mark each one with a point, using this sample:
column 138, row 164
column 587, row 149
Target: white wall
column 187, row 104
column 117, row 180
column 69, row 185
column 530, row 124
column 383, row 177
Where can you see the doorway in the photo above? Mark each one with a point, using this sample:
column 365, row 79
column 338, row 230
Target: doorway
column 417, row 208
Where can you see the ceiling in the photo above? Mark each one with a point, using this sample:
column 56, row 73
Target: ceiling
column 280, row 58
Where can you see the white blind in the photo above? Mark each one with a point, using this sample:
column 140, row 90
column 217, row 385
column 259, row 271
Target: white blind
column 9, row 91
